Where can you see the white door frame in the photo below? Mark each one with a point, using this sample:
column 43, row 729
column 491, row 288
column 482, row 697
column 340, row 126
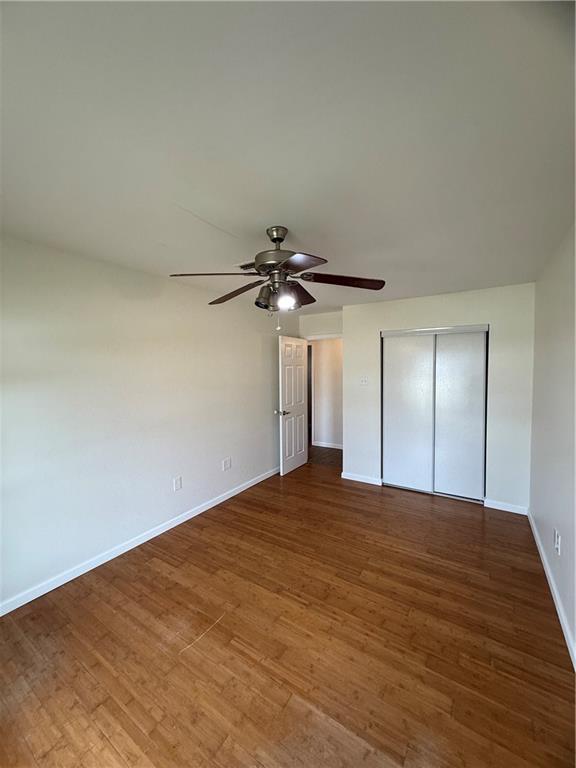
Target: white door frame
column 437, row 331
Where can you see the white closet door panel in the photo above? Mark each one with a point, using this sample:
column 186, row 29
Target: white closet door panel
column 460, row 414
column 408, row 411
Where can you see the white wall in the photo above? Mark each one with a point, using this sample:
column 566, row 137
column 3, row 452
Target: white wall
column 552, row 498
column 322, row 324
column 327, row 393
column 510, row 313
column 115, row 381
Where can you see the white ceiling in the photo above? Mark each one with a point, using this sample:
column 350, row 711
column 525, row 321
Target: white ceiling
column 430, row 144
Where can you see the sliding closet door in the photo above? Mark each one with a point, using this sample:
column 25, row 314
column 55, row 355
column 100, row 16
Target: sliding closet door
column 408, row 411
column 460, row 414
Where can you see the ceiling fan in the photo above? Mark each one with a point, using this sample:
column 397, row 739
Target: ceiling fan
column 280, row 268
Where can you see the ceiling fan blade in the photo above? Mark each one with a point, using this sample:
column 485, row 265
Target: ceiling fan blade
column 299, row 261
column 303, row 296
column 246, row 265
column 352, row 282
column 237, row 292
column 215, row 274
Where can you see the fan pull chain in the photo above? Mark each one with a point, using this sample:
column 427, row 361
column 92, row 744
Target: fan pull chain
column 278, row 326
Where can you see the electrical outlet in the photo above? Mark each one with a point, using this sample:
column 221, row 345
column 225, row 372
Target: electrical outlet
column 177, row 483
column 363, row 381
column 557, row 541
column 226, row 464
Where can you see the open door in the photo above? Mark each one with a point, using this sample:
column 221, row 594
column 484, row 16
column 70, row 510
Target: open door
column 293, row 410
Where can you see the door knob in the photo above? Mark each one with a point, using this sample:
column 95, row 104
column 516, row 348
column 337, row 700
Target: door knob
column 281, row 413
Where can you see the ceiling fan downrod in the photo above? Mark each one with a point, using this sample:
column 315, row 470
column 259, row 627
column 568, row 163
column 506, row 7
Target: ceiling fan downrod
column 277, row 235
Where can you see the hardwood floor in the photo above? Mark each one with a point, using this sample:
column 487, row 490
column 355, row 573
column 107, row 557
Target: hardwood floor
column 330, row 457
column 308, row 622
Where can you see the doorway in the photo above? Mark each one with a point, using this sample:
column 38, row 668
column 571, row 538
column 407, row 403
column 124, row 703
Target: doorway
column 325, row 401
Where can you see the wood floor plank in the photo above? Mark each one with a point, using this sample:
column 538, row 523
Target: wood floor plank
column 310, row 622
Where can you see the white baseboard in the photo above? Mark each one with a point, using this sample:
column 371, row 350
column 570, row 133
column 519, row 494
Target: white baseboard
column 326, row 445
column 503, row 506
column 361, row 478
column 56, row 581
column 566, row 628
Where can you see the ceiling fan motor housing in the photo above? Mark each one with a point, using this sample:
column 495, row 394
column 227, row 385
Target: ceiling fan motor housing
column 269, row 261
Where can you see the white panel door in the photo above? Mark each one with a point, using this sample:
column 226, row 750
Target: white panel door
column 460, row 414
column 408, row 411
column 293, row 409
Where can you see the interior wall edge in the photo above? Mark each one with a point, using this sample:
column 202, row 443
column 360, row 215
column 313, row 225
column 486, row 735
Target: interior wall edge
column 562, row 617
column 12, row 603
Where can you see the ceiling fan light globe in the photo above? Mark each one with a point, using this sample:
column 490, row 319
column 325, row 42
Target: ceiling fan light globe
column 286, row 301
column 287, row 297
column 263, row 299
